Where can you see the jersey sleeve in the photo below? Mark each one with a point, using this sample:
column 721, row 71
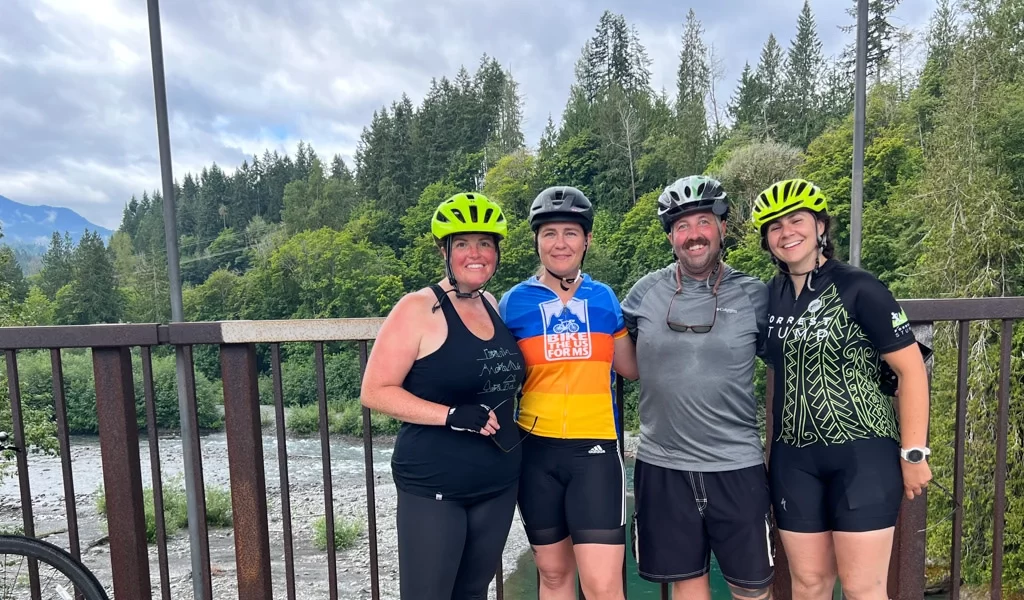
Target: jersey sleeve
column 629, row 308
column 503, row 305
column 881, row 317
column 759, row 300
column 620, row 321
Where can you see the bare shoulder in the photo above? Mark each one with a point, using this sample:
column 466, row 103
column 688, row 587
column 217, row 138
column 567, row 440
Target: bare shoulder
column 490, row 299
column 410, row 310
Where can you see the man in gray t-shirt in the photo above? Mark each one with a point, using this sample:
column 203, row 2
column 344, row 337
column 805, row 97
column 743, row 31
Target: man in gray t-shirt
column 700, row 481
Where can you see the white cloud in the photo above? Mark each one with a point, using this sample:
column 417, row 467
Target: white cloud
column 77, row 100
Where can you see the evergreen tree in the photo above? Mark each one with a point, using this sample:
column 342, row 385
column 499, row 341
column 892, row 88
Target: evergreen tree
column 837, row 94
column 692, row 84
column 508, row 132
column 804, row 64
column 11, row 275
column 745, row 106
column 57, row 270
column 770, row 84
column 92, row 296
column 882, row 37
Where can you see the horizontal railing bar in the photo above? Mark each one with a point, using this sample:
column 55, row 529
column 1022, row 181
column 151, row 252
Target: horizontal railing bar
column 963, row 309
column 326, row 330
column 78, row 336
column 265, row 332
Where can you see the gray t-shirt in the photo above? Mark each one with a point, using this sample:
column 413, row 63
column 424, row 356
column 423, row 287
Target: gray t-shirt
column 697, row 406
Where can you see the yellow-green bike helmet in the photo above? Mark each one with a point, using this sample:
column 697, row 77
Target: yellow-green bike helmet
column 785, row 197
column 468, row 213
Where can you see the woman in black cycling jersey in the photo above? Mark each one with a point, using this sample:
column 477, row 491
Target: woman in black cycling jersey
column 842, row 454
column 572, row 491
column 445, row 364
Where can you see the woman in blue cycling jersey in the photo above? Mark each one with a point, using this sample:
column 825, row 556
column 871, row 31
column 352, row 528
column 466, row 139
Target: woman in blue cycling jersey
column 572, row 492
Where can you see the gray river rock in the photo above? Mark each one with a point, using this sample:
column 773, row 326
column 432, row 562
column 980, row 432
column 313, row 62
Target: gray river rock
column 307, row 498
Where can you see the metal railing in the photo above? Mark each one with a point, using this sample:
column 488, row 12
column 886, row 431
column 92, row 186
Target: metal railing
column 112, row 345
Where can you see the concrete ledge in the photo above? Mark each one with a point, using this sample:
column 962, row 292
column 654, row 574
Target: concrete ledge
column 256, row 332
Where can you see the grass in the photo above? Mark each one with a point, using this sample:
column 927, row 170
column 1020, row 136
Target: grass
column 218, row 508
column 343, row 417
column 346, row 533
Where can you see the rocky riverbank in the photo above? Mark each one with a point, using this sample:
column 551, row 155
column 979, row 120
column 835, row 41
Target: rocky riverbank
column 307, row 499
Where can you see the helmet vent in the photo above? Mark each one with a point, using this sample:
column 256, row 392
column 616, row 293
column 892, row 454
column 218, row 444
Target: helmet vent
column 458, row 215
column 473, row 214
column 786, row 189
column 687, row 192
column 559, row 195
column 675, row 195
column 440, row 217
column 800, row 188
column 487, row 214
column 700, row 189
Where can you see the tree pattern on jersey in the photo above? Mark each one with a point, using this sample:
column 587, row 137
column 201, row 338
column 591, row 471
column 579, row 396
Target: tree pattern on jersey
column 831, row 379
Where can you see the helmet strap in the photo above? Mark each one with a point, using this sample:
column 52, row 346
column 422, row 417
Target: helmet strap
column 450, row 273
column 563, row 282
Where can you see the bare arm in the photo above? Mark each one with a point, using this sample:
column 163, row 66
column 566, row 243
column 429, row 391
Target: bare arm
column 913, row 405
column 394, row 352
column 624, row 361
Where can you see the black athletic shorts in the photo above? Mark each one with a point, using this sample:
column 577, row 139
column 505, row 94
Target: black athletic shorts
column 572, row 488
column 683, row 516
column 853, row 486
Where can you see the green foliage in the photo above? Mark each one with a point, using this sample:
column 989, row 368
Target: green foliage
column 218, row 507
column 35, row 375
column 346, row 533
column 343, row 418
column 510, row 184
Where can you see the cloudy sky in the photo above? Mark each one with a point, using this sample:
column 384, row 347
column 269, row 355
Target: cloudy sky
column 77, row 125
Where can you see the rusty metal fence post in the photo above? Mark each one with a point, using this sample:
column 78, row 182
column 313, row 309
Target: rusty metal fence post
column 245, row 464
column 122, row 472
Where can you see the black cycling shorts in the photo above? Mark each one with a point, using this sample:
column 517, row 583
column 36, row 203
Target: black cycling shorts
column 683, row 516
column 853, row 486
column 572, row 488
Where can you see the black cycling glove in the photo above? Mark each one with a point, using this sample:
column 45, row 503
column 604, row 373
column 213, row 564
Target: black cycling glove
column 467, row 417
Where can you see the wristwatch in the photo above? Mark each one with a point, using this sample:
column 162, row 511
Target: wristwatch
column 914, row 455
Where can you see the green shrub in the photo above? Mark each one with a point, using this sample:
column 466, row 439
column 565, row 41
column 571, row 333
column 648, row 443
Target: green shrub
column 344, row 418
column 218, row 507
column 346, row 533
column 36, row 378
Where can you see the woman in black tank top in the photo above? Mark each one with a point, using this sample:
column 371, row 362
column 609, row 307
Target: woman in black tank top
column 446, row 366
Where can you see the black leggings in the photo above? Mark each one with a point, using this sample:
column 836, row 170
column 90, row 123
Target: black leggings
column 450, row 550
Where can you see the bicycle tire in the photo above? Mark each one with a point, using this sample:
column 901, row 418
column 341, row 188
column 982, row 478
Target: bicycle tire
column 58, row 558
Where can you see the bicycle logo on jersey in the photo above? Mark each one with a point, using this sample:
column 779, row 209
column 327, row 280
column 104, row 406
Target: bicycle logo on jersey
column 566, row 330
column 566, row 327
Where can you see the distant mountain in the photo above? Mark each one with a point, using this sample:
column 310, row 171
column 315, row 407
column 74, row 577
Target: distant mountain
column 27, row 226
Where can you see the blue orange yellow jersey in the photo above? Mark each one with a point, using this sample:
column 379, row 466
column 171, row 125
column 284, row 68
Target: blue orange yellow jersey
column 568, row 349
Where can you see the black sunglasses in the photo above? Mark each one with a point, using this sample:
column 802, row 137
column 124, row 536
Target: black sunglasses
column 682, row 327
column 952, row 499
column 494, row 438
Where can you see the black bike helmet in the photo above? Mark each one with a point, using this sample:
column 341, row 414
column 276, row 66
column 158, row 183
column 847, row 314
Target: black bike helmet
column 560, row 204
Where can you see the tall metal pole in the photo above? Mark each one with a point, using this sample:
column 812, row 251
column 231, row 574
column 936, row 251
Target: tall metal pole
column 859, row 110
column 192, row 495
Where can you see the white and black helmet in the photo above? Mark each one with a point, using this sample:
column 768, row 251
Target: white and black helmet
column 692, row 194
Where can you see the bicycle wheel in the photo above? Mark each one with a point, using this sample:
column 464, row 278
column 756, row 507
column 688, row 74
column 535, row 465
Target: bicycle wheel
column 60, row 576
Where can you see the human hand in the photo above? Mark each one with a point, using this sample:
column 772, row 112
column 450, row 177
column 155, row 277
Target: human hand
column 472, row 417
column 915, row 478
